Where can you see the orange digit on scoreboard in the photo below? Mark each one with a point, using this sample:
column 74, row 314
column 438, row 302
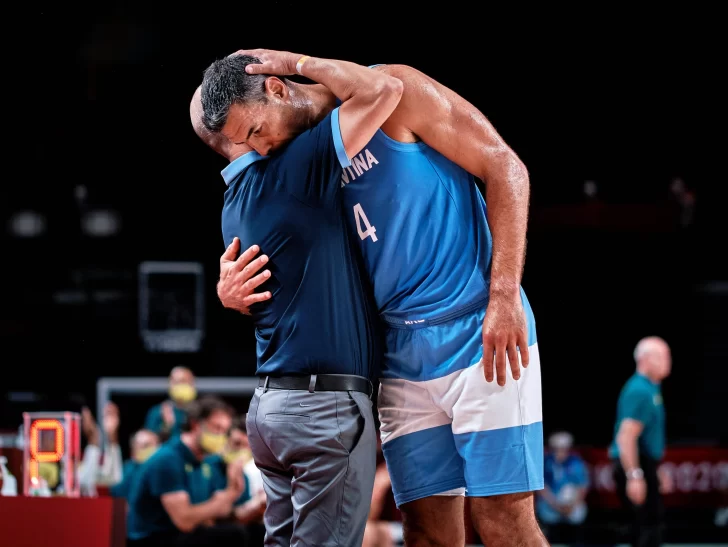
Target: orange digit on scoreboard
column 38, row 456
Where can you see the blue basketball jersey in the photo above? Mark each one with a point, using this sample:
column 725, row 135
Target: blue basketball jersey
column 422, row 225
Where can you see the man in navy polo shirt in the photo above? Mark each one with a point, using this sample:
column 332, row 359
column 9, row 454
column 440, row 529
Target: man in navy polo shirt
column 169, row 502
column 310, row 422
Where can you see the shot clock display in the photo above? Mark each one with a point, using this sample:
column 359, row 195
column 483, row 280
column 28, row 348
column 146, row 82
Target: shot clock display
column 52, row 450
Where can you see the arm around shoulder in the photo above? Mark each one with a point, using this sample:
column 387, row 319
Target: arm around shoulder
column 448, row 123
column 362, row 116
column 368, row 98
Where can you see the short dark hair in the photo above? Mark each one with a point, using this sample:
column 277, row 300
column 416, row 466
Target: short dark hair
column 202, row 408
column 226, row 83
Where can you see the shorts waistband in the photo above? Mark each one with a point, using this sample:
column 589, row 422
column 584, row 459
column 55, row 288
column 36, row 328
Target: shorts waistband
column 411, row 324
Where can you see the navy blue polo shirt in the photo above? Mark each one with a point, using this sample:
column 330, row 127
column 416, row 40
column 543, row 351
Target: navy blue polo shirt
column 172, row 468
column 321, row 317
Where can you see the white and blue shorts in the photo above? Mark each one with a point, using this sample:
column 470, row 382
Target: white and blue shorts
column 445, row 430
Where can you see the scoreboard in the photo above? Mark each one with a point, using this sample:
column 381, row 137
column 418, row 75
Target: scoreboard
column 51, row 453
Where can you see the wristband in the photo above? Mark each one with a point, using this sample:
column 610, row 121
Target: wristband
column 299, row 64
column 635, row 473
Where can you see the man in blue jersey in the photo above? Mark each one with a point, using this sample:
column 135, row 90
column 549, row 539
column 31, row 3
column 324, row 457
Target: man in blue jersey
column 310, row 422
column 446, row 279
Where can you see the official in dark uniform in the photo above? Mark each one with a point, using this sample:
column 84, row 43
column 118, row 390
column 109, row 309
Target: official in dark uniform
column 310, row 422
column 639, row 441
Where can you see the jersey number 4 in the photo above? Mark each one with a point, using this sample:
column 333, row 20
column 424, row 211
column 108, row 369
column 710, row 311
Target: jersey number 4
column 362, row 224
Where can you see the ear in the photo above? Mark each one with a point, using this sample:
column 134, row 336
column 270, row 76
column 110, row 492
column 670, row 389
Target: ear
column 276, row 88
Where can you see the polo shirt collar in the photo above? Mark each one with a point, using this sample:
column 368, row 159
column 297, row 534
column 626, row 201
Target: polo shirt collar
column 187, row 454
column 239, row 165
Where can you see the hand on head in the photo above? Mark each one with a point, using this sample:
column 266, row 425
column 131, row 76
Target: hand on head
column 278, row 63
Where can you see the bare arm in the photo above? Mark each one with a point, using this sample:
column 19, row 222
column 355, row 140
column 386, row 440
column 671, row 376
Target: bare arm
column 368, row 97
column 627, row 441
column 460, row 132
column 186, row 516
column 448, row 123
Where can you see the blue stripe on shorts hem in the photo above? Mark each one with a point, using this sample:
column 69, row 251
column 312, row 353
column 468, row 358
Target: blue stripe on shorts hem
column 485, row 491
column 427, row 491
column 503, row 461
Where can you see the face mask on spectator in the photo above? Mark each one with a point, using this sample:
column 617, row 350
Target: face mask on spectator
column 231, row 456
column 144, row 454
column 213, row 443
column 182, row 393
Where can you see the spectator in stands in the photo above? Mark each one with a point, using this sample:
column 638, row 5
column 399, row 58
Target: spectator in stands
column 639, row 441
column 229, row 466
column 102, row 461
column 167, row 419
column 230, row 460
column 170, row 503
column 380, row 532
column 254, row 478
column 561, row 505
column 143, row 444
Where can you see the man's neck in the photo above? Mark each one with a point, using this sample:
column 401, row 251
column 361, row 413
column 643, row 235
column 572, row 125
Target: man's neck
column 313, row 102
column 643, row 372
column 188, row 439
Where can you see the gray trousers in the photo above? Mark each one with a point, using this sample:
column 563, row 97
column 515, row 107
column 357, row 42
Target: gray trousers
column 317, row 454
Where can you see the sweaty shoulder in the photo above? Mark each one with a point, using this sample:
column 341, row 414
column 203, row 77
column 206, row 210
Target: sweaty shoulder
column 419, row 90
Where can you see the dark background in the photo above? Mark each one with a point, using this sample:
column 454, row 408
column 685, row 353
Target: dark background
column 98, row 97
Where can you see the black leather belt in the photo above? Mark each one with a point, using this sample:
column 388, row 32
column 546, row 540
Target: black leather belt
column 318, row 382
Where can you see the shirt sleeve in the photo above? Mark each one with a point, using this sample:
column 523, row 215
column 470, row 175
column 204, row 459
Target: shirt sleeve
column 580, row 474
column 89, row 469
column 254, row 478
column 636, row 405
column 121, row 490
column 165, row 476
column 152, row 422
column 311, row 166
column 110, row 472
column 219, row 479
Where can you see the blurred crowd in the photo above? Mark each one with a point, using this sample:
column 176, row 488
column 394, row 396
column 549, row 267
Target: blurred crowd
column 190, row 478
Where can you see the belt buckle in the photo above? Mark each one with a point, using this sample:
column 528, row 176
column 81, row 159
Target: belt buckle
column 265, row 384
column 312, row 384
